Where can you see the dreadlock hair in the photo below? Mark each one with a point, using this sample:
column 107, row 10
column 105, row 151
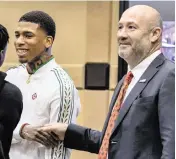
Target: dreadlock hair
column 4, row 37
column 43, row 19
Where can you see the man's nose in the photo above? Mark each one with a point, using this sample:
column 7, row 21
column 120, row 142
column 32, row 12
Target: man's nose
column 122, row 34
column 20, row 40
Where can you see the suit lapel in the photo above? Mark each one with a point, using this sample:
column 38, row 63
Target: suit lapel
column 140, row 85
column 113, row 100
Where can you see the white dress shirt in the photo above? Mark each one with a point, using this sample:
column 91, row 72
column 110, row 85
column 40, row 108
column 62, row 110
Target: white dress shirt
column 139, row 70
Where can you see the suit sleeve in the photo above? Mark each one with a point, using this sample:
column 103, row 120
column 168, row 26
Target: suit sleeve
column 166, row 113
column 11, row 73
column 64, row 108
column 16, row 133
column 81, row 138
column 1, row 151
column 12, row 106
column 1, row 137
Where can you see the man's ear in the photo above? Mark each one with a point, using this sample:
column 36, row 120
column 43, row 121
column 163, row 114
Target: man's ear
column 48, row 41
column 1, row 54
column 155, row 34
column 1, row 57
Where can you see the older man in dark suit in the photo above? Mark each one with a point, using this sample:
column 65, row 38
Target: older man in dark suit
column 10, row 102
column 141, row 119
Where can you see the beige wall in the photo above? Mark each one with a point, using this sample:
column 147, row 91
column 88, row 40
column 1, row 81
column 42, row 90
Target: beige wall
column 86, row 32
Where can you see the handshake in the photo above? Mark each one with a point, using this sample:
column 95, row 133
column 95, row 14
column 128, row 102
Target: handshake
column 47, row 135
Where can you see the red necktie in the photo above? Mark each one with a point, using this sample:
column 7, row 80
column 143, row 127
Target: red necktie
column 114, row 114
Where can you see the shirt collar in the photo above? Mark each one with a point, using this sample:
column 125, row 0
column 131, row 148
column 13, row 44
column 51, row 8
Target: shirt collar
column 143, row 65
column 38, row 62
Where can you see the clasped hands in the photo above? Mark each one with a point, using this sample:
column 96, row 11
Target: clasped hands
column 47, row 135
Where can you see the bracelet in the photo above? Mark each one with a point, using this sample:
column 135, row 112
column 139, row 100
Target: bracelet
column 21, row 129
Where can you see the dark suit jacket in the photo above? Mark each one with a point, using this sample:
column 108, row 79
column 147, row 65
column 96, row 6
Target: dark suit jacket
column 145, row 127
column 10, row 112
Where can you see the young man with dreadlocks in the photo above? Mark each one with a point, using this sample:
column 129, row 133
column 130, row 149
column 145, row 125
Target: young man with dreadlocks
column 10, row 102
column 49, row 93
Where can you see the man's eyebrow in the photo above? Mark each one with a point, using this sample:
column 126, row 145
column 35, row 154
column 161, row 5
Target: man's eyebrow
column 24, row 32
column 132, row 23
column 16, row 32
column 128, row 23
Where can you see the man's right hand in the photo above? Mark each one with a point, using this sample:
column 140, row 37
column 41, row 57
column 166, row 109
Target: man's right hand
column 31, row 133
column 57, row 129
